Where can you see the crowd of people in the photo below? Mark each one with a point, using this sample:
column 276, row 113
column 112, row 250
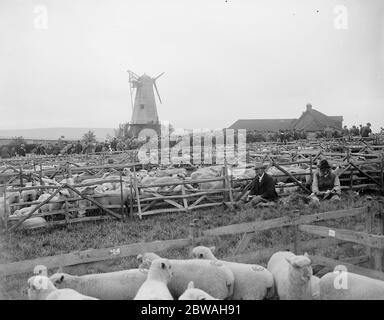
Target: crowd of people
column 362, row 131
column 280, row 136
column 285, row 136
column 68, row 147
column 118, row 144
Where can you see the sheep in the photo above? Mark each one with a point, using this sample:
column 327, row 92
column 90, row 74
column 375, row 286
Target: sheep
column 118, row 285
column 24, row 211
column 252, row 282
column 13, row 196
column 105, row 198
column 54, row 205
column 41, row 270
column 350, row 286
column 42, row 198
column 28, row 195
column 155, row 286
column 170, row 172
column 193, row 293
column 34, row 222
column 210, row 276
column 41, row 287
column 292, row 275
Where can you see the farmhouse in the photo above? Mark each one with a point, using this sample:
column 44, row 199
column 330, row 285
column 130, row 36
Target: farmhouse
column 311, row 120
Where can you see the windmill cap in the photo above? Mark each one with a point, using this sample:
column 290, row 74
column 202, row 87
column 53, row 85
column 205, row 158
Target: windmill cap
column 324, row 164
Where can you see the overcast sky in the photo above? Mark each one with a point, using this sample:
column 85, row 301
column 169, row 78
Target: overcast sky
column 222, row 60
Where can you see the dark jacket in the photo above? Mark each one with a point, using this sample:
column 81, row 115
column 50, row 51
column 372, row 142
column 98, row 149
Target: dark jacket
column 366, row 131
column 265, row 188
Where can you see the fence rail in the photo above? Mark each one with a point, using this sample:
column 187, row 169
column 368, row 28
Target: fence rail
column 196, row 236
column 142, row 202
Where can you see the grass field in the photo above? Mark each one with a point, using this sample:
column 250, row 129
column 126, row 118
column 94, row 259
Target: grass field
column 23, row 245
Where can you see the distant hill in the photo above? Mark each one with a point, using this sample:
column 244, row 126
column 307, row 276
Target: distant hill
column 55, row 133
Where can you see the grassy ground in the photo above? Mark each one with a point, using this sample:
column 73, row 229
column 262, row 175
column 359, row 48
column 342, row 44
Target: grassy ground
column 25, row 245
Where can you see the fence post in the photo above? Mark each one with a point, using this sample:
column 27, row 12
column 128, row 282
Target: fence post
column 382, row 174
column 196, row 228
column 137, row 194
column 379, row 253
column 131, row 198
column 69, row 170
column 185, row 200
column 225, row 194
column 369, row 221
column 310, row 170
column 229, row 184
column 351, row 179
column 191, row 233
column 21, row 176
column 296, row 233
column 122, row 197
column 6, row 213
column 41, row 174
column 66, row 212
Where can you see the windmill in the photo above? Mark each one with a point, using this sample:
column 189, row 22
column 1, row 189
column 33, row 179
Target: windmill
column 144, row 113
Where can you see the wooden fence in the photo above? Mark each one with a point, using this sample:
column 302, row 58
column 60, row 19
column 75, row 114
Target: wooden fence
column 185, row 199
column 299, row 224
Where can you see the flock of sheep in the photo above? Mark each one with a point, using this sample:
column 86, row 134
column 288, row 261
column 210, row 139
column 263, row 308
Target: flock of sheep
column 287, row 277
column 19, row 204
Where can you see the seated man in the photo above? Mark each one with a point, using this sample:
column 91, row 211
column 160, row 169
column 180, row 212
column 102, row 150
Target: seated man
column 326, row 184
column 263, row 188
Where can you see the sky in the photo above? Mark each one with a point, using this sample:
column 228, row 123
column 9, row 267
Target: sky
column 63, row 63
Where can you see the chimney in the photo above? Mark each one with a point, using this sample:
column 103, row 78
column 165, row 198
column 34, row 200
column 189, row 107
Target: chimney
column 309, row 107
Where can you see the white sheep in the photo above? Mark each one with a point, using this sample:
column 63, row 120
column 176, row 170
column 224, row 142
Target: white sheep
column 292, row 275
column 118, row 285
column 210, row 276
column 41, row 269
column 155, row 286
column 28, row 195
column 350, row 286
column 193, row 293
column 34, row 222
column 52, row 205
column 252, row 282
column 41, row 287
column 13, row 196
column 25, row 211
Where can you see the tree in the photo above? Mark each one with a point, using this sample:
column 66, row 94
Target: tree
column 89, row 137
column 17, row 142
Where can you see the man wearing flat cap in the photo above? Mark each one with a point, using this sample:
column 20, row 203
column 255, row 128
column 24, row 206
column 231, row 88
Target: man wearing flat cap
column 262, row 189
column 326, row 184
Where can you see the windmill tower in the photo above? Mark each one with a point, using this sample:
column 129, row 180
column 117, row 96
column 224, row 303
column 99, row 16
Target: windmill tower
column 144, row 113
